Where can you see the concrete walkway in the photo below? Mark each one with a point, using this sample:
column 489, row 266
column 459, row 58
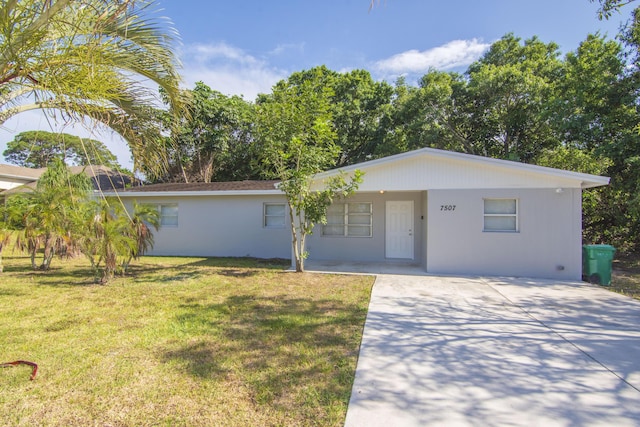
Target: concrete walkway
column 446, row 351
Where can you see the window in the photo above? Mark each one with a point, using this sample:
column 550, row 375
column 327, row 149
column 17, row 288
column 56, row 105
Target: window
column 274, row 214
column 501, row 215
column 348, row 219
column 168, row 215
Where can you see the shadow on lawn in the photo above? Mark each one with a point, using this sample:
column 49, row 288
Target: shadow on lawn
column 59, row 274
column 75, row 272
column 199, row 359
column 11, row 293
column 277, row 344
column 242, row 262
column 229, row 266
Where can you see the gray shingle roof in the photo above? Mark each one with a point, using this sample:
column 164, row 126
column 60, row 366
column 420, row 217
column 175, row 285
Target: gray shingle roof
column 102, row 177
column 206, row 186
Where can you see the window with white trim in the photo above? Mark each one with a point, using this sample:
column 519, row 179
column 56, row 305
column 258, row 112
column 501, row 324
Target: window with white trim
column 349, row 219
column 168, row 214
column 501, row 215
column 274, row 215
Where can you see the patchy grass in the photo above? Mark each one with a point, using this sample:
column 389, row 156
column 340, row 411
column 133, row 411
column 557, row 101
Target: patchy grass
column 626, row 276
column 179, row 342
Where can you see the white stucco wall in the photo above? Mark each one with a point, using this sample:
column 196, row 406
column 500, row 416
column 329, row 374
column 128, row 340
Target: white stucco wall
column 547, row 245
column 424, row 213
column 221, row 226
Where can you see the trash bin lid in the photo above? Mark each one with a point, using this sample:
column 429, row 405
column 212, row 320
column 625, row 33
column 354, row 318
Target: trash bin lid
column 605, row 247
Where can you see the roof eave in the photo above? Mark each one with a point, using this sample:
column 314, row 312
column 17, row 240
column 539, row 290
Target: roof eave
column 20, row 177
column 596, row 183
column 130, row 194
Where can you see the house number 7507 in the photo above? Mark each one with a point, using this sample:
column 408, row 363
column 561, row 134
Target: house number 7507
column 448, row 208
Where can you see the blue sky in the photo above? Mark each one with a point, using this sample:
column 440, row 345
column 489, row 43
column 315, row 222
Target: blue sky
column 243, row 47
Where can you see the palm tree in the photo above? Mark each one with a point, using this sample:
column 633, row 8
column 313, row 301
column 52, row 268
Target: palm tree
column 108, row 241
column 47, row 215
column 5, row 237
column 144, row 215
column 111, row 237
column 89, row 59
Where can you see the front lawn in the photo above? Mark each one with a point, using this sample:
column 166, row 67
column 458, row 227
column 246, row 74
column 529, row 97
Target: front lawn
column 626, row 275
column 179, row 342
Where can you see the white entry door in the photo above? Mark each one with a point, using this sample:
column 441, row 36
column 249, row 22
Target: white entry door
column 399, row 229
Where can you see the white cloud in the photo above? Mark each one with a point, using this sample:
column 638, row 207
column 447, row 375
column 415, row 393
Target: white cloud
column 204, row 53
column 283, row 48
column 229, row 70
column 454, row 54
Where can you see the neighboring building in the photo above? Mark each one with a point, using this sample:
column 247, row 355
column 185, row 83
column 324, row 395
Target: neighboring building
column 15, row 176
column 452, row 213
column 18, row 179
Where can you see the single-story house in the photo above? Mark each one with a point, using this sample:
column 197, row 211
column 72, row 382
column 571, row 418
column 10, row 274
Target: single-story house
column 452, row 213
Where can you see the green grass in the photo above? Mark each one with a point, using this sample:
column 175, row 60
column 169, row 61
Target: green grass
column 179, row 342
column 626, row 276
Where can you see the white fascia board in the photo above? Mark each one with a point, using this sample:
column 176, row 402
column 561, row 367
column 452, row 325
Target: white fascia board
column 193, row 193
column 604, row 180
column 18, row 177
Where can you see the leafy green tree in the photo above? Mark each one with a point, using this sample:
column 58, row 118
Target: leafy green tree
column 607, row 7
column 89, row 59
column 510, row 86
column 356, row 103
column 435, row 114
column 216, row 140
column 395, row 119
column 621, row 205
column 36, row 149
column 295, row 132
column 499, row 108
column 591, row 107
column 213, row 141
column 594, row 116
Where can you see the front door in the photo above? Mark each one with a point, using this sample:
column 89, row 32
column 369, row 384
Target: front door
column 399, row 229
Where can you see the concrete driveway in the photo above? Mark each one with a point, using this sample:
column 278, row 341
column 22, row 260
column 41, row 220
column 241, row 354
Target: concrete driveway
column 446, row 351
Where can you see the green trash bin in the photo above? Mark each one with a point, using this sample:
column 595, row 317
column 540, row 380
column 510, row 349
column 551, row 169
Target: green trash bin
column 596, row 263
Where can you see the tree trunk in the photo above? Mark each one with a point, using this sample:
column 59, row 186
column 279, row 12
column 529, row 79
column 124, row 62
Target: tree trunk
column 297, row 253
column 47, row 255
column 33, row 259
column 2, row 246
column 184, row 173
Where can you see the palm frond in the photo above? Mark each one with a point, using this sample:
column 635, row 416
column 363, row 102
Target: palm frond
column 90, row 58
